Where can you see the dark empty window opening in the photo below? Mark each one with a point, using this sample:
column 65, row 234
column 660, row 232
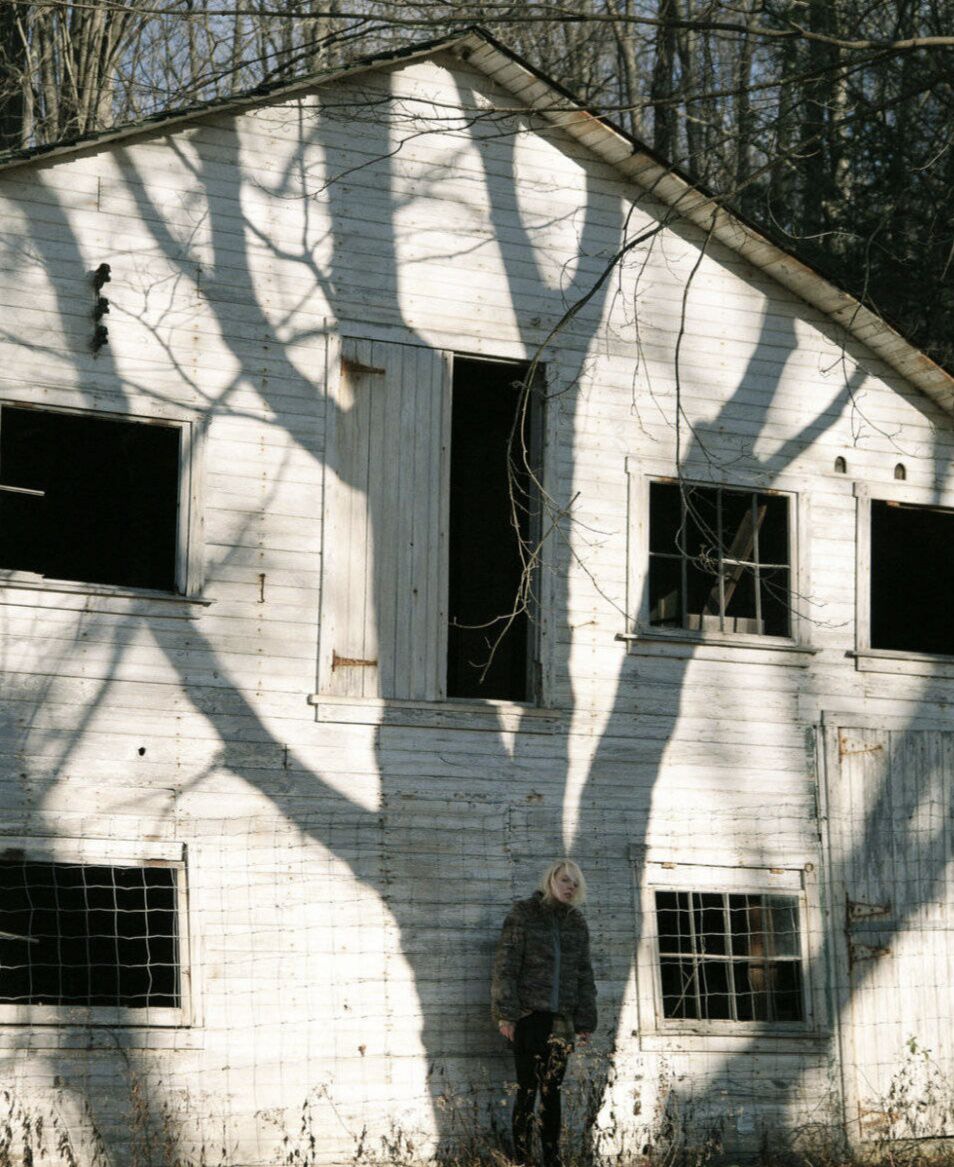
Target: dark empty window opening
column 103, row 507
column 493, row 520
column 729, row 957
column 912, row 578
column 82, row 935
column 719, row 560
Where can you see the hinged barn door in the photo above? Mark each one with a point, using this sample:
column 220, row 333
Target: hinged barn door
column 384, row 587
column 889, row 834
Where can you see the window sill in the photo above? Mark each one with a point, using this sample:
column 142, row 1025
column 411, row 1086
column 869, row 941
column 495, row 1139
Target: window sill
column 917, row 664
column 23, row 588
column 492, row 716
column 68, row 1035
column 770, row 649
column 733, row 1039
column 91, row 1017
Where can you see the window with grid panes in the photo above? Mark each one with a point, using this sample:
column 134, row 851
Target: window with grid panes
column 726, row 956
column 719, row 560
column 85, row 935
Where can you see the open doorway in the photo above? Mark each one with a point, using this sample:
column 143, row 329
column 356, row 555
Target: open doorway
column 494, row 523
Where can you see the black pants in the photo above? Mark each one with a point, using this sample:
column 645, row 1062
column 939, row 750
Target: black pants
column 541, row 1064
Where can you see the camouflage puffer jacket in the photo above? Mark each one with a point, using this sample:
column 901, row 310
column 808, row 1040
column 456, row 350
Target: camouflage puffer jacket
column 524, row 966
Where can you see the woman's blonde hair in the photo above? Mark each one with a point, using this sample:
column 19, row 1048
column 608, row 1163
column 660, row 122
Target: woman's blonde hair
column 573, row 871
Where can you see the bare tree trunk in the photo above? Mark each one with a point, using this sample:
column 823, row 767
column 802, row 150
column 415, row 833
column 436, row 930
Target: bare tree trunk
column 781, row 178
column 628, row 84
column 663, row 83
column 707, row 111
column 191, row 40
column 744, row 121
column 48, row 80
column 236, row 50
column 816, row 186
column 14, row 71
column 693, row 79
column 627, row 71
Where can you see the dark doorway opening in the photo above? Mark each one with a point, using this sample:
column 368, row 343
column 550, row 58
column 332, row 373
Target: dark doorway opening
column 494, row 519
column 108, row 501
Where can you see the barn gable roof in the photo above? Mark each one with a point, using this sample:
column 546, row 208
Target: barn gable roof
column 686, row 199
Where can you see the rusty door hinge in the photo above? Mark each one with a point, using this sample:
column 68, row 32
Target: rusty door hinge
column 859, row 952
column 858, row 910
column 845, row 752
column 351, row 662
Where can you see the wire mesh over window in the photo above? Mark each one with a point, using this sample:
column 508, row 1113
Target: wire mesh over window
column 83, row 935
column 719, row 560
column 729, row 957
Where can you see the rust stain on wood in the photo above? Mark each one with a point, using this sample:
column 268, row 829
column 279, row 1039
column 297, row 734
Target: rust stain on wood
column 860, row 952
column 873, row 1117
column 351, row 366
column 351, row 662
column 845, row 752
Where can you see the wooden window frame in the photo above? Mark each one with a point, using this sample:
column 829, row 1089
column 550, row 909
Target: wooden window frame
column 656, row 1030
column 189, row 566
column 115, row 853
column 640, row 633
column 437, row 710
column 890, row 660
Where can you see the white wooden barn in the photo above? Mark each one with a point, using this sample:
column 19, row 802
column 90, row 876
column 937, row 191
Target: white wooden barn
column 261, row 816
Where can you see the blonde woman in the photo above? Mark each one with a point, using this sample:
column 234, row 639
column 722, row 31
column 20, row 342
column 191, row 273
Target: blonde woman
column 544, row 997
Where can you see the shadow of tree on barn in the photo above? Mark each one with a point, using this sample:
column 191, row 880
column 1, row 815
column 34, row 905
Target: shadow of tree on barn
column 289, row 785
column 641, row 734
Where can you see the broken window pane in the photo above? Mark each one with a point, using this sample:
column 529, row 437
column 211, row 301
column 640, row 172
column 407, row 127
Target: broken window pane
column 912, row 578
column 729, row 957
column 715, row 996
column 86, row 935
column 710, row 923
column 665, row 594
column 718, row 560
column 784, row 927
column 679, row 988
column 106, row 507
column 665, row 520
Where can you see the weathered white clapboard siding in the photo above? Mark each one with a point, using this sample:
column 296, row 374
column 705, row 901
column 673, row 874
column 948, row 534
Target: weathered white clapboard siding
column 348, row 868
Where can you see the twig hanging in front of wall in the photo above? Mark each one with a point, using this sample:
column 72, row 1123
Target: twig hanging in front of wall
column 101, row 276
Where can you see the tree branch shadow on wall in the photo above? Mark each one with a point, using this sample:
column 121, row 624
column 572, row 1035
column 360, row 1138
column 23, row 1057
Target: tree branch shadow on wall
column 333, row 819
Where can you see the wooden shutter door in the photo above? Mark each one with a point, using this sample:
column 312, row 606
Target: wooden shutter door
column 383, row 622
column 889, row 796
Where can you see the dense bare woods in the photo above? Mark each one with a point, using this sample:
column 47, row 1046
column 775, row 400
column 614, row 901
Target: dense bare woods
column 828, row 121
